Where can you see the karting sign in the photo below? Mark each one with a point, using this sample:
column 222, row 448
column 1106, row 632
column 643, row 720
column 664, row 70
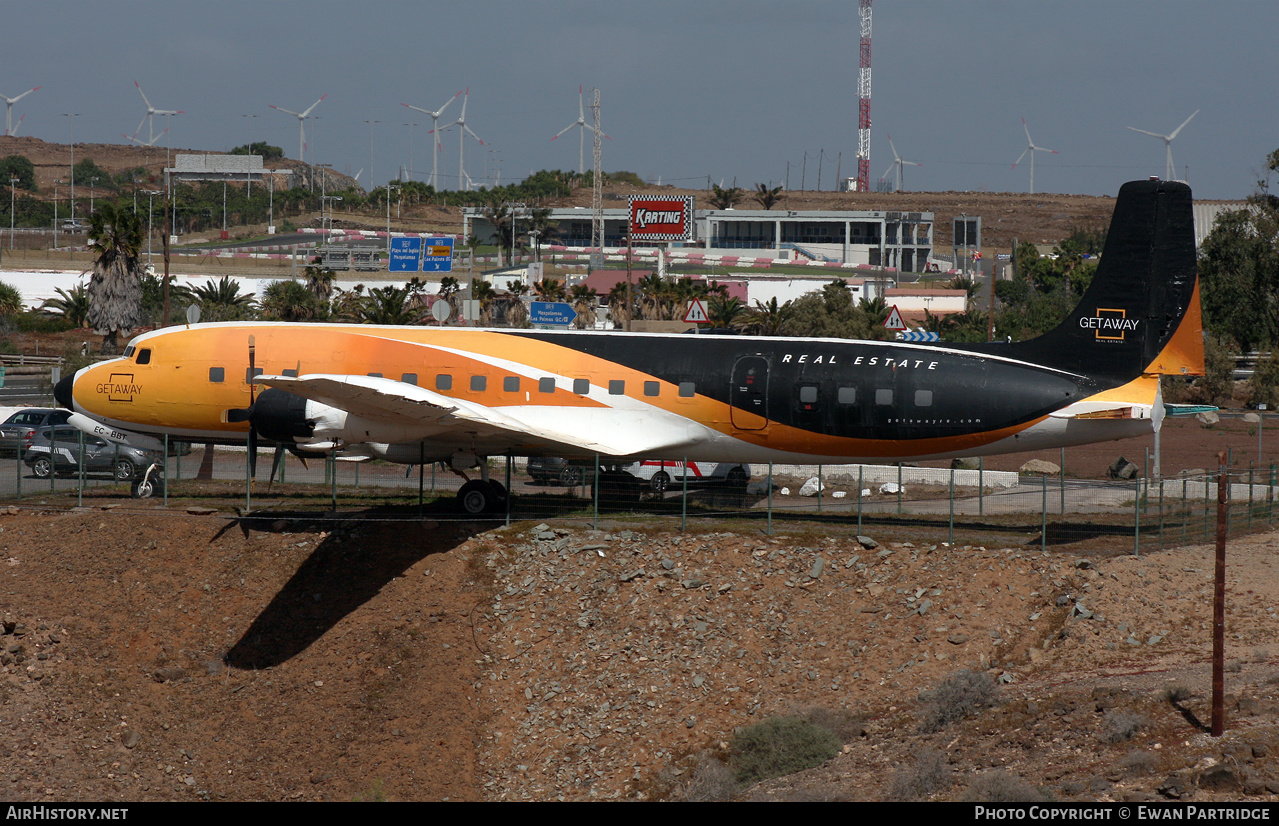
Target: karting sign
column 406, row 255
column 696, row 313
column 894, row 320
column 437, row 255
column 659, row 218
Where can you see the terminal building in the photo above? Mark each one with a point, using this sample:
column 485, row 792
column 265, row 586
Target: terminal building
column 901, row 240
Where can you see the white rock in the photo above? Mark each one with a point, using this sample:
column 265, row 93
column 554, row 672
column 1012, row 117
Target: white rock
column 890, row 487
column 811, row 487
column 839, row 494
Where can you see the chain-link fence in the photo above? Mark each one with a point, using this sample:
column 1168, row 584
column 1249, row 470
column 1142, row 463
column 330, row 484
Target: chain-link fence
column 934, row 505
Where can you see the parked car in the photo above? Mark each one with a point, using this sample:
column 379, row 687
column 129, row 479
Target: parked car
column 547, row 470
column 17, row 430
column 57, row 450
column 662, row 474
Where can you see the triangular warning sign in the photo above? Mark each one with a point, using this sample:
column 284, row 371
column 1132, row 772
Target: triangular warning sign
column 894, row 320
column 696, row 313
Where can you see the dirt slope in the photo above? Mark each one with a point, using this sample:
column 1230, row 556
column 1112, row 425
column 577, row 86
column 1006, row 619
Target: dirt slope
column 152, row 655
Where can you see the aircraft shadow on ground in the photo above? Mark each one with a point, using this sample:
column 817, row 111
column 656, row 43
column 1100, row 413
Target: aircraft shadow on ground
column 337, row 578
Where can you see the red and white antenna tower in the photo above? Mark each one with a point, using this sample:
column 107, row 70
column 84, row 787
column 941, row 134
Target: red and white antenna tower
column 863, row 104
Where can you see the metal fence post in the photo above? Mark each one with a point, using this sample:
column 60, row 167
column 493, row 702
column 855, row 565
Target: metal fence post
column 860, row 469
column 683, row 501
column 770, row 498
column 595, row 496
column 80, row 470
column 899, row 488
column 1063, row 481
column 981, row 486
column 951, row 532
column 819, row 488
column 1136, row 518
column 1043, row 513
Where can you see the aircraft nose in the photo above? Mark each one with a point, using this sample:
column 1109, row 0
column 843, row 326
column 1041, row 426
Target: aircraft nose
column 62, row 392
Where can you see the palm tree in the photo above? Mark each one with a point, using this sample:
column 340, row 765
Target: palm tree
column 516, row 311
column 289, row 300
column 550, row 289
column 115, row 286
column 10, row 299
column 724, row 198
column 766, row 196
column 768, row 319
column 72, row 306
column 724, row 313
column 584, row 300
column 388, row 305
column 222, row 300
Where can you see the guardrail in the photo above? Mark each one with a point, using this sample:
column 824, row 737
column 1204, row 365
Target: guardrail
column 25, row 359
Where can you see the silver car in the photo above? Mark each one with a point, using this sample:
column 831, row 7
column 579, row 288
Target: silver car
column 61, row 455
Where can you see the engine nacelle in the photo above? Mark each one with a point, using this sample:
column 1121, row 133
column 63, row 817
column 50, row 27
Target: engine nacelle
column 292, row 420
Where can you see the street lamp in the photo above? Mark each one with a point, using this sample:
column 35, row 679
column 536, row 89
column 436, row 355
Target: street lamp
column 389, row 187
column 13, row 182
column 92, row 181
column 72, row 122
column 150, row 193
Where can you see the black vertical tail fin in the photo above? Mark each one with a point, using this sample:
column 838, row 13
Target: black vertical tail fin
column 1141, row 313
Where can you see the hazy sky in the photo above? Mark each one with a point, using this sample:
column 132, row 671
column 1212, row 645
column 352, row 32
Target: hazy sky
column 690, row 89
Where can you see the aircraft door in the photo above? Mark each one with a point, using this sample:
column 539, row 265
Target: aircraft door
column 748, row 395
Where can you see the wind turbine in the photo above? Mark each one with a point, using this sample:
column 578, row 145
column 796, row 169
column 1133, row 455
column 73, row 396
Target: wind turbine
column 897, row 165
column 435, row 147
column 462, row 131
column 301, row 116
column 8, row 111
column 149, row 117
column 1032, row 149
column 1167, row 139
column 581, row 136
column 141, row 142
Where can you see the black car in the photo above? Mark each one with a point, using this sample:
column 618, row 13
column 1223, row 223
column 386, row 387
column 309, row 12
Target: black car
column 549, row 470
column 61, row 453
column 17, row 431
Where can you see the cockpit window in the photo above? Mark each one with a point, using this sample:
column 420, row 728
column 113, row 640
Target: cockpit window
column 144, row 355
column 128, row 351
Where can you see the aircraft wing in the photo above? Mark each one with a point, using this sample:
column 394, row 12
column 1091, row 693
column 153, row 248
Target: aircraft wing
column 607, row 431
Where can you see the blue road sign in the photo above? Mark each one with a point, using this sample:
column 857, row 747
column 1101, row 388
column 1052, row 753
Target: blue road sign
column 555, row 313
column 917, row 335
column 406, row 254
column 437, row 254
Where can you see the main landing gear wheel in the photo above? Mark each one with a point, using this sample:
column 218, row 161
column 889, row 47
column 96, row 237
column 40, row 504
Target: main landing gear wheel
column 478, row 497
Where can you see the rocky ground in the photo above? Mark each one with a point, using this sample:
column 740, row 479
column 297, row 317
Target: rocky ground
column 187, row 654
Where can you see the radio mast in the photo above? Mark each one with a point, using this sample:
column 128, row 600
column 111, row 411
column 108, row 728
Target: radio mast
column 863, row 104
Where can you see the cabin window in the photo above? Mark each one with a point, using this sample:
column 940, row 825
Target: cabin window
column 250, row 372
column 616, row 387
column 808, row 394
column 409, row 378
column 217, row 374
column 291, row 372
column 144, row 355
column 546, row 384
column 687, row 389
column 582, row 387
column 884, row 396
column 847, row 395
column 652, row 388
column 443, row 381
column 511, row 384
column 479, row 383
column 923, row 398
column 375, row 375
